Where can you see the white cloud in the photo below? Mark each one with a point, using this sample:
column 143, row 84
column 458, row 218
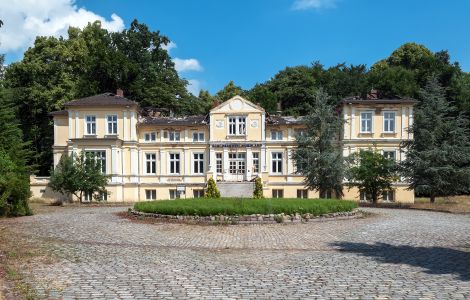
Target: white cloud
column 26, row 19
column 313, row 4
column 169, row 46
column 194, row 86
column 184, row 65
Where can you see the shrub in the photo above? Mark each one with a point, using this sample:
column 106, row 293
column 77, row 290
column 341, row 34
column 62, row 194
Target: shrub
column 258, row 192
column 212, row 190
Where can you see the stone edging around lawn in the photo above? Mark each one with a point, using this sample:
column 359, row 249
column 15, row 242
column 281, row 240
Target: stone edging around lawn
column 250, row 219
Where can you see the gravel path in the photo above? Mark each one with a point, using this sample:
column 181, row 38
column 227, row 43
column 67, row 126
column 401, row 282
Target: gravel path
column 395, row 254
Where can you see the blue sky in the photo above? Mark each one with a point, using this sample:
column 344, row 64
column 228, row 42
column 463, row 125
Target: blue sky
column 250, row 41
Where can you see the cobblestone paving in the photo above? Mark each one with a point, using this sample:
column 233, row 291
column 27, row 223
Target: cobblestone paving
column 395, row 254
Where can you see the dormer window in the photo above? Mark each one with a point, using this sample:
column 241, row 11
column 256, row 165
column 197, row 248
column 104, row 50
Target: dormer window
column 236, row 125
column 90, row 122
column 150, row 137
column 174, row 136
column 276, row 135
column 198, row 136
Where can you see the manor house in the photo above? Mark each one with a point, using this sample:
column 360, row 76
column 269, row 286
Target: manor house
column 149, row 156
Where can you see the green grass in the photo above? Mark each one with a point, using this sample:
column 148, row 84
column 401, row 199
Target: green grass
column 244, row 206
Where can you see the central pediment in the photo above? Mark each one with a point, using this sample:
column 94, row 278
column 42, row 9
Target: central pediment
column 237, row 104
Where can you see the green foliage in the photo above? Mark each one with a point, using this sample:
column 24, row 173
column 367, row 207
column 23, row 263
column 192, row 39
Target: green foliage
column 438, row 159
column 371, row 173
column 241, row 206
column 230, row 91
column 78, row 175
column 261, row 95
column 318, row 156
column 212, row 189
column 258, row 191
column 14, row 171
column 88, row 62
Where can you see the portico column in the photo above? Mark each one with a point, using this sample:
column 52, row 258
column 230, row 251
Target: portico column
column 125, row 126
column 263, row 159
column 212, row 162
column 133, row 126
column 134, row 165
column 225, row 164
column 249, row 163
column 114, row 164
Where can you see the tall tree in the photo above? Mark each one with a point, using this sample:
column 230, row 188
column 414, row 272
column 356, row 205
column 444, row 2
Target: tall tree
column 319, row 156
column 229, row 91
column 438, row 158
column 261, row 95
column 371, row 173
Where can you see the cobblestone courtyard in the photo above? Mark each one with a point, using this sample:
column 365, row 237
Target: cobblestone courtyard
column 393, row 254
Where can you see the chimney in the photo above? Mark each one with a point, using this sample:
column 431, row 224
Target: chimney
column 279, row 108
column 373, row 95
column 119, row 93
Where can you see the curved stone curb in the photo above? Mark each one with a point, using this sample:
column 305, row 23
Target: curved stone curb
column 251, row 219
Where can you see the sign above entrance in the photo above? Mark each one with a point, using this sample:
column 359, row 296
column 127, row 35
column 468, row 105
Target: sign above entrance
column 237, row 145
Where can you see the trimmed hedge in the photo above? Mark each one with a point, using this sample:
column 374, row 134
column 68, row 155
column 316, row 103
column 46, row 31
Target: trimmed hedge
column 244, row 206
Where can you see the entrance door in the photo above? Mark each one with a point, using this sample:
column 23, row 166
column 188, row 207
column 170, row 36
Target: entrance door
column 237, row 166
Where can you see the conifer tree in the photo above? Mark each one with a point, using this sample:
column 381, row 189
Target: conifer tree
column 258, row 191
column 212, row 190
column 319, row 156
column 438, row 158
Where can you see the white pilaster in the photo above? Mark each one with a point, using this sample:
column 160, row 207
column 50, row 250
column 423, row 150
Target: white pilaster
column 77, row 126
column 403, row 127
column 114, row 164
column 346, row 130
column 353, row 123
column 263, row 159
column 125, row 126
column 133, row 126
column 70, row 124
column 225, row 164
column 134, row 165
column 249, row 164
column 263, row 127
column 289, row 165
column 163, row 161
column 212, row 162
column 410, row 123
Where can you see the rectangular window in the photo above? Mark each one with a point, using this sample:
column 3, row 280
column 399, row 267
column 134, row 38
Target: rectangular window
column 198, row 136
column 276, row 162
column 174, row 163
column 326, row 195
column 174, row 194
column 104, row 196
column 88, row 196
column 300, row 133
column 302, row 194
column 174, row 136
column 150, row 137
column 218, row 163
column 100, row 156
column 237, row 125
column 198, row 163
column 276, row 135
column 112, row 124
column 90, row 125
column 150, row 194
column 390, row 154
column 388, row 196
column 364, row 197
column 151, row 163
column 198, row 193
column 255, row 162
column 278, row 193
column 389, row 122
column 366, row 122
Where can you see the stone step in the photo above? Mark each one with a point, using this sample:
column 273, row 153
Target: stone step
column 236, row 189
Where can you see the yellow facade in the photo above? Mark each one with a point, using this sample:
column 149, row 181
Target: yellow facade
column 152, row 157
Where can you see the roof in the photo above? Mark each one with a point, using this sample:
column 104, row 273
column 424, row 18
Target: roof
column 395, row 100
column 59, row 113
column 188, row 120
column 105, row 99
column 284, row 120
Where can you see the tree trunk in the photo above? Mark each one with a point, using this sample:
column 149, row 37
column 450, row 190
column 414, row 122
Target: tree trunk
column 80, row 199
column 433, row 198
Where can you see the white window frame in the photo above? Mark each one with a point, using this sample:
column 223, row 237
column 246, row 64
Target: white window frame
column 388, row 121
column 176, row 162
column 175, row 193
column 371, row 121
column 91, row 123
column 277, row 193
column 198, row 163
column 199, row 193
column 100, row 157
column 277, row 164
column 276, row 135
column 152, row 161
column 386, row 196
column 150, row 194
column 174, row 136
column 198, row 137
column 219, row 161
column 303, row 193
column 236, row 125
column 390, row 151
column 113, row 123
column 88, row 196
column 150, row 135
column 256, row 162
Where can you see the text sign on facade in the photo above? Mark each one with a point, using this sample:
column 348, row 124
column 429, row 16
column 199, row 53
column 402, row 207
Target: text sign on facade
column 237, row 145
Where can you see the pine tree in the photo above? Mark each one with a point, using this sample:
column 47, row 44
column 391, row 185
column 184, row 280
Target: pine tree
column 14, row 171
column 319, row 156
column 212, row 190
column 438, row 158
